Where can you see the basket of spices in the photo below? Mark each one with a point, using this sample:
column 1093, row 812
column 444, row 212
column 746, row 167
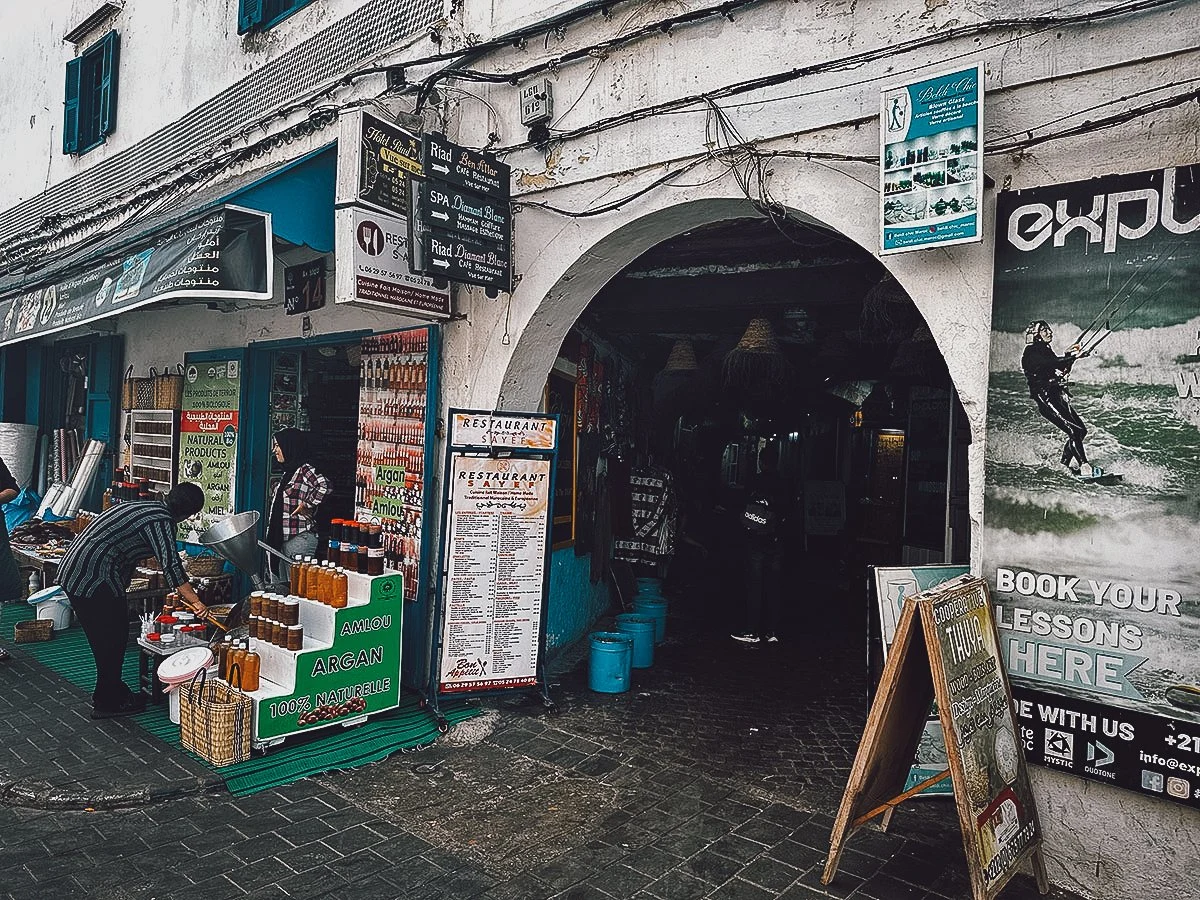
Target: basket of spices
column 33, row 630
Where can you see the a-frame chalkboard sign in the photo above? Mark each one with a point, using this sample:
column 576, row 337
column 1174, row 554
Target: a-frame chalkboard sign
column 946, row 647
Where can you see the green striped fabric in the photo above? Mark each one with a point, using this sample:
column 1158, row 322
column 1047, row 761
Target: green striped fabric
column 405, row 728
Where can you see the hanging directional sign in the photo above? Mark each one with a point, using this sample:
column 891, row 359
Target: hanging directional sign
column 465, row 213
column 458, row 258
column 470, row 169
column 460, row 216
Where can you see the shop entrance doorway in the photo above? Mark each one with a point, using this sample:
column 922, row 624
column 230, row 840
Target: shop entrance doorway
column 756, row 361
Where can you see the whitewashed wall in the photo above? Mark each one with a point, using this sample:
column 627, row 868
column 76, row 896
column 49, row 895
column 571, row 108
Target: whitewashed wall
column 174, row 56
column 1031, row 80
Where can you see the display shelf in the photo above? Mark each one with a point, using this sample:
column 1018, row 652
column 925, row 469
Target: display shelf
column 347, row 668
column 154, row 446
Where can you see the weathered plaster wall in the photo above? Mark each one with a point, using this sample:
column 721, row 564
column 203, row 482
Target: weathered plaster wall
column 1100, row 841
column 174, row 56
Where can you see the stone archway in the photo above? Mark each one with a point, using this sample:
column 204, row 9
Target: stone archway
column 564, row 265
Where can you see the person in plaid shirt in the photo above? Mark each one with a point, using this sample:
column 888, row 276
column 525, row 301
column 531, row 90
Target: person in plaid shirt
column 292, row 524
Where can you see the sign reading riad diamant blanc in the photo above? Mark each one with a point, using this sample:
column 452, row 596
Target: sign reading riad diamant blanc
column 1092, row 470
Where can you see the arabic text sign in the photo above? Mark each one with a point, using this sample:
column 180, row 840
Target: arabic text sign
column 223, row 254
column 931, row 162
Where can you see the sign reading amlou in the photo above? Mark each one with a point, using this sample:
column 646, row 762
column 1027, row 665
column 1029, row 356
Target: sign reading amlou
column 470, row 169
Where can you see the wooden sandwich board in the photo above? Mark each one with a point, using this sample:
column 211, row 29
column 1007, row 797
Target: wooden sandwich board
column 946, row 647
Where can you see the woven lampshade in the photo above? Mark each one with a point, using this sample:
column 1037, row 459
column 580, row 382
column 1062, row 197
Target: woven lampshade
column 757, row 363
column 682, row 358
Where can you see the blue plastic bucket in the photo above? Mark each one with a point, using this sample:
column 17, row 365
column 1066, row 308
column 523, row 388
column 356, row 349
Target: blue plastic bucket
column 643, row 630
column 611, row 660
column 649, row 587
column 655, row 608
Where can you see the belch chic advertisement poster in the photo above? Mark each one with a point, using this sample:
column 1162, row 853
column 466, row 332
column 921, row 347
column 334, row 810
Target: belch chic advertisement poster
column 1092, row 488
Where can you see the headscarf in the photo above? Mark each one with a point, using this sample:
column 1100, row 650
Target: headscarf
column 295, row 446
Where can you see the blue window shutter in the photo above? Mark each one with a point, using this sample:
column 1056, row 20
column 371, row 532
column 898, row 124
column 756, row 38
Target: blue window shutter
column 110, row 55
column 250, row 15
column 71, row 107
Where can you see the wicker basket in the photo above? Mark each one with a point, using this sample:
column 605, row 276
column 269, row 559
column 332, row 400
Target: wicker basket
column 137, row 392
column 168, row 390
column 204, row 566
column 33, row 630
column 214, row 721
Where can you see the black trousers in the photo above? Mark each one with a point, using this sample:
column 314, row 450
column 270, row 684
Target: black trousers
column 763, row 565
column 1055, row 406
column 105, row 620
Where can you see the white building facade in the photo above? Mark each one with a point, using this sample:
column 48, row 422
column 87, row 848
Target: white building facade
column 667, row 118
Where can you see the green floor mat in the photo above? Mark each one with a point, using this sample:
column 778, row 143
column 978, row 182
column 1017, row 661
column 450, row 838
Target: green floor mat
column 404, row 728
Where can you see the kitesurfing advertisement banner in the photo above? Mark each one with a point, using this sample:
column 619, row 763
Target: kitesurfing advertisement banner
column 931, row 161
column 1092, row 475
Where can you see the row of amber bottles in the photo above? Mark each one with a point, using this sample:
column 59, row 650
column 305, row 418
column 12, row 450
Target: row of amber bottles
column 319, row 581
column 238, row 664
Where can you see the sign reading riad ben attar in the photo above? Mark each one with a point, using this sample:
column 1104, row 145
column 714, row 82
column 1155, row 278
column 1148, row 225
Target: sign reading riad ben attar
column 1092, row 469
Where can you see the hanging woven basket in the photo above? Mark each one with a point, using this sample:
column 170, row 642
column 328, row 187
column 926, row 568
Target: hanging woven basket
column 682, row 358
column 757, row 363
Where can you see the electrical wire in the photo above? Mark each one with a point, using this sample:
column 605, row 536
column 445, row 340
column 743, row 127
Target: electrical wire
column 679, row 104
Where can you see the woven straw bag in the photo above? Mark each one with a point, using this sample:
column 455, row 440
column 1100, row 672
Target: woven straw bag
column 214, row 721
column 137, row 392
column 168, row 390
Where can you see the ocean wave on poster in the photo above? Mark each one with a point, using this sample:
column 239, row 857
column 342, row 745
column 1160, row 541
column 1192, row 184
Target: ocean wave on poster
column 1128, row 355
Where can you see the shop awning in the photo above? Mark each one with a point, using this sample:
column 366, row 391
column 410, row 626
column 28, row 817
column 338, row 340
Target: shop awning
column 212, row 242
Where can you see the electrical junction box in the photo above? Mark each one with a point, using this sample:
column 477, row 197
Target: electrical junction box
column 537, row 102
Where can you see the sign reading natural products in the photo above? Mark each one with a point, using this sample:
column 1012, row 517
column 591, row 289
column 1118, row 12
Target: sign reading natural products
column 208, row 437
column 931, row 162
column 946, row 647
column 1093, row 445
column 496, row 572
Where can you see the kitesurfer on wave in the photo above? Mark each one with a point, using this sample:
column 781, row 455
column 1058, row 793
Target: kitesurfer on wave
column 1046, row 373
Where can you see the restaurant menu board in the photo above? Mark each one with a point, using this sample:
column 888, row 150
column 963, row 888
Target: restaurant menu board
column 208, row 438
column 496, row 572
column 931, row 161
column 390, row 472
column 996, row 808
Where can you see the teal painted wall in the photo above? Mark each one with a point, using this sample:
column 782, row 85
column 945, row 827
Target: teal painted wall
column 575, row 603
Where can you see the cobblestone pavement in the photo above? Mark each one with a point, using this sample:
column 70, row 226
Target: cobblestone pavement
column 716, row 776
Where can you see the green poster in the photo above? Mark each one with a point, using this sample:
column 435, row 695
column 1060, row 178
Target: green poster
column 208, row 438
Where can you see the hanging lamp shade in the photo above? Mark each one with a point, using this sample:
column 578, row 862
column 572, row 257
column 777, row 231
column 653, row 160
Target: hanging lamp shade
column 757, row 362
column 682, row 358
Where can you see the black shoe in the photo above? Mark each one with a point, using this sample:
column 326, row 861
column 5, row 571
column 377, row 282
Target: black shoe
column 129, row 706
column 5, row 656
